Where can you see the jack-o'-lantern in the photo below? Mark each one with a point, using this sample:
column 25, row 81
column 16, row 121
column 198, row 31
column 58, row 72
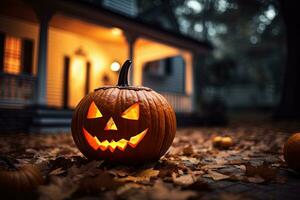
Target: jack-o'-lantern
column 124, row 124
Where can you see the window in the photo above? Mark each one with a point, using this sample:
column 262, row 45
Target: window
column 12, row 55
column 165, row 75
column 16, row 54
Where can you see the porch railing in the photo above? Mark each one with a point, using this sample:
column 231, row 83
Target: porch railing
column 16, row 89
column 180, row 102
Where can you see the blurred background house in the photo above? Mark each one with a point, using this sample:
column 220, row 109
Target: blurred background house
column 55, row 52
column 209, row 58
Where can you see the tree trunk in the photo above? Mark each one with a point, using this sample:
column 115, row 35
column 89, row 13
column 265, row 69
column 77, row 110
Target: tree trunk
column 289, row 106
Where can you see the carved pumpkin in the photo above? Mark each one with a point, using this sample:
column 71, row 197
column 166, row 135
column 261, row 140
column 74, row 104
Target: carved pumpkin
column 124, row 124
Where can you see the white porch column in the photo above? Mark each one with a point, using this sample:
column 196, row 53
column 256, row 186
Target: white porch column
column 41, row 84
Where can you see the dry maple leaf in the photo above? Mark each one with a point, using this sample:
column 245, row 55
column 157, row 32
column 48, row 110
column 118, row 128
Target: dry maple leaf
column 141, row 176
column 183, row 180
column 148, row 173
column 216, row 176
column 190, row 160
column 167, row 169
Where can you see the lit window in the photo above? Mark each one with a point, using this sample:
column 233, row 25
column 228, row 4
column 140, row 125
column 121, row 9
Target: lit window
column 12, row 55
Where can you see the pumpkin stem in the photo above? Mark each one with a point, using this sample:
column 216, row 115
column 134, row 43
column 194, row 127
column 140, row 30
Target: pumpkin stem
column 8, row 161
column 123, row 75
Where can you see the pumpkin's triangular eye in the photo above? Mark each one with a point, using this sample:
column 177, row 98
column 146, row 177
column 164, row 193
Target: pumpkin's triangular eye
column 94, row 112
column 133, row 112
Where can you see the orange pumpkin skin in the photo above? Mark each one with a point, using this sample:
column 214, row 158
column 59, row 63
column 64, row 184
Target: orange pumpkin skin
column 291, row 152
column 23, row 179
column 18, row 181
column 155, row 117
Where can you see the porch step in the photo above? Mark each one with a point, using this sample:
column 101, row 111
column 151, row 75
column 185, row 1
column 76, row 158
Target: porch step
column 49, row 120
column 14, row 120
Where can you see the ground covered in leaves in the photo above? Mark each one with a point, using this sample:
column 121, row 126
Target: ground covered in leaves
column 253, row 168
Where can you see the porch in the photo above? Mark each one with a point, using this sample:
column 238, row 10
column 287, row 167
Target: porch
column 77, row 48
column 17, row 91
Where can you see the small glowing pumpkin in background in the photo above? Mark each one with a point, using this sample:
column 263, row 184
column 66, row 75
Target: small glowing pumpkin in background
column 124, row 124
column 222, row 142
column 291, row 152
column 226, row 142
column 217, row 141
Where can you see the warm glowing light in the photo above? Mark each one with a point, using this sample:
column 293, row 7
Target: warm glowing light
column 12, row 55
column 110, row 125
column 94, row 112
column 133, row 112
column 93, row 142
column 77, row 80
column 115, row 66
column 112, row 145
column 135, row 140
column 116, row 31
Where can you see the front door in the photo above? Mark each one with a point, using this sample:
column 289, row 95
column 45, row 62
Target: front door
column 77, row 80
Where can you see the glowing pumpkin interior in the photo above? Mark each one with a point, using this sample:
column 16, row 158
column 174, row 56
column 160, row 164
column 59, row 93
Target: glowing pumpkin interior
column 131, row 113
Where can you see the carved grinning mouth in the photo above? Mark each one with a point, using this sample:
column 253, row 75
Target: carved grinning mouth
column 112, row 145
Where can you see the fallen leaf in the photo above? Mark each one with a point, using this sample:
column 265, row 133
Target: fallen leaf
column 216, row 176
column 89, row 169
column 183, row 180
column 144, row 175
column 57, row 171
column 192, row 160
column 102, row 181
column 167, row 169
column 187, row 151
column 148, row 173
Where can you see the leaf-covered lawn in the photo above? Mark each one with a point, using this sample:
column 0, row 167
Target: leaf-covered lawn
column 191, row 169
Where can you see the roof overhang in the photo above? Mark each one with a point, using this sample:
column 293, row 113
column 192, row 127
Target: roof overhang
column 85, row 11
column 101, row 16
